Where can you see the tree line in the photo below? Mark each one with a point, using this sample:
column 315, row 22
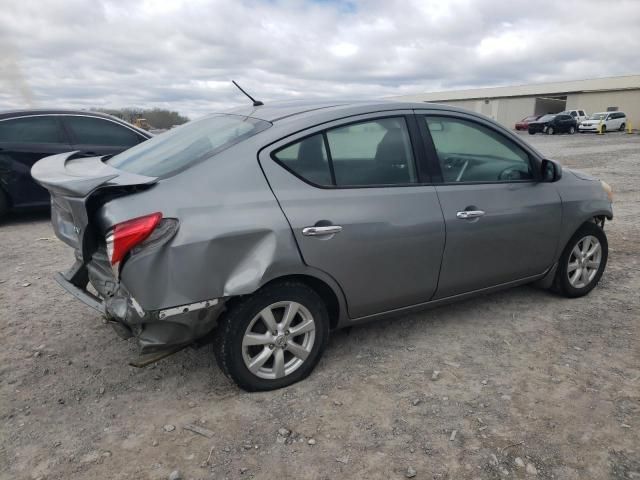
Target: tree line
column 156, row 117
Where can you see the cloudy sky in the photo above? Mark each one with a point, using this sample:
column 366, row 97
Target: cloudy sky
column 181, row 54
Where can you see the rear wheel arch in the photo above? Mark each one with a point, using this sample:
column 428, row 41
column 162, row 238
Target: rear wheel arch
column 322, row 288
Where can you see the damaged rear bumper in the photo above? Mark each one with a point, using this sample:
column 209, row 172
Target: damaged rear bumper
column 154, row 330
column 84, row 296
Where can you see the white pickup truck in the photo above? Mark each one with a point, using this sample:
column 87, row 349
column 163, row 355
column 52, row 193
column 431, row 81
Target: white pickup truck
column 578, row 115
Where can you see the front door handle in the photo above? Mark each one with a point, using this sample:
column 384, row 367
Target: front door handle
column 316, row 231
column 467, row 214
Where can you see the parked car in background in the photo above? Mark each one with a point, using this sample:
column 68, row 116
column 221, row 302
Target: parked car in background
column 610, row 121
column 524, row 123
column 270, row 225
column 578, row 115
column 26, row 136
column 552, row 124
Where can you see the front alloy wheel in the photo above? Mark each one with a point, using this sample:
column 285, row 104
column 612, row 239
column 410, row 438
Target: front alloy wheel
column 582, row 262
column 272, row 338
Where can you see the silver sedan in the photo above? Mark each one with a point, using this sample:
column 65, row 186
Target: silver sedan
column 265, row 228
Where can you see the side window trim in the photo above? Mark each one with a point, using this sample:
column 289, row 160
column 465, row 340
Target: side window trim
column 332, row 171
column 409, row 117
column 425, row 176
column 432, row 154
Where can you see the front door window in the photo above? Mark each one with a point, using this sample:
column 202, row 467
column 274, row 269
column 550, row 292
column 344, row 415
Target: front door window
column 469, row 152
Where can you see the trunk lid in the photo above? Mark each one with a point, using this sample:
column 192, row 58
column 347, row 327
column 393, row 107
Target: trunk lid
column 75, row 182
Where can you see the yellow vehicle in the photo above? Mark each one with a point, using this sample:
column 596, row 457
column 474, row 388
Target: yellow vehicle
column 142, row 123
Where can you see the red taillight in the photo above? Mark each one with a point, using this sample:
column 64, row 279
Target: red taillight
column 127, row 235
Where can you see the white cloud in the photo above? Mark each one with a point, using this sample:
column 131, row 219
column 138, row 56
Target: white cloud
column 183, row 54
column 343, row 49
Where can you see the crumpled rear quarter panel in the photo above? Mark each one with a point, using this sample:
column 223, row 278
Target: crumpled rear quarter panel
column 232, row 238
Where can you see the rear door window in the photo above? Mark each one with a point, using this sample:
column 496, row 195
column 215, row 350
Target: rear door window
column 369, row 153
column 40, row 129
column 375, row 152
column 97, row 131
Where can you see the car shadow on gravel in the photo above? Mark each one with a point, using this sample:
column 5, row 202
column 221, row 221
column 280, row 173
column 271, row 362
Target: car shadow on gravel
column 19, row 218
column 462, row 312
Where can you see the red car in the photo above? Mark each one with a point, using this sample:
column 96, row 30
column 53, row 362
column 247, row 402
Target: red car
column 524, row 123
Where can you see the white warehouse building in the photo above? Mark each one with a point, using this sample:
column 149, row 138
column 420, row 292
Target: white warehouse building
column 510, row 104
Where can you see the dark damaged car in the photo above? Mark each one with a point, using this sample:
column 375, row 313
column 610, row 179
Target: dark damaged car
column 27, row 136
column 552, row 124
column 270, row 226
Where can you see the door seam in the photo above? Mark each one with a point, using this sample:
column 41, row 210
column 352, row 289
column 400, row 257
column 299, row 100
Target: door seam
column 444, row 245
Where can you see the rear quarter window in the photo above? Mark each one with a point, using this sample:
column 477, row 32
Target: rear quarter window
column 178, row 149
column 307, row 159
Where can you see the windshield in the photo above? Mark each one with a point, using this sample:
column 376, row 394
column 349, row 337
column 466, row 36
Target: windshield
column 598, row 116
column 546, row 118
column 177, row 149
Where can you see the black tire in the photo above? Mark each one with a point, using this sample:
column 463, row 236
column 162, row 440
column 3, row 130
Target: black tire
column 228, row 347
column 4, row 204
column 572, row 130
column 562, row 284
column 604, row 129
column 531, row 132
column 622, row 127
column 551, row 131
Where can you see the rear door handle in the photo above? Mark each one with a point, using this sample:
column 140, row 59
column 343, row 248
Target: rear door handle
column 316, row 231
column 467, row 214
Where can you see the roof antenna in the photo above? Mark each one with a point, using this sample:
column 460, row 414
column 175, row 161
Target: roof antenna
column 256, row 103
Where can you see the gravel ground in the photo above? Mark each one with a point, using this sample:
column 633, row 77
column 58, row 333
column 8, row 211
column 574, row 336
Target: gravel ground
column 531, row 385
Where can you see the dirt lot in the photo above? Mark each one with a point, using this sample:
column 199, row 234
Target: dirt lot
column 524, row 375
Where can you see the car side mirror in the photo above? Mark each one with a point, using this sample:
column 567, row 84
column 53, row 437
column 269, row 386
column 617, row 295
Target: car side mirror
column 551, row 171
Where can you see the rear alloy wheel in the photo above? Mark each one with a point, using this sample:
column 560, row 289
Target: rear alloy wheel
column 550, row 131
column 582, row 262
column 572, row 130
column 274, row 337
column 622, row 127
